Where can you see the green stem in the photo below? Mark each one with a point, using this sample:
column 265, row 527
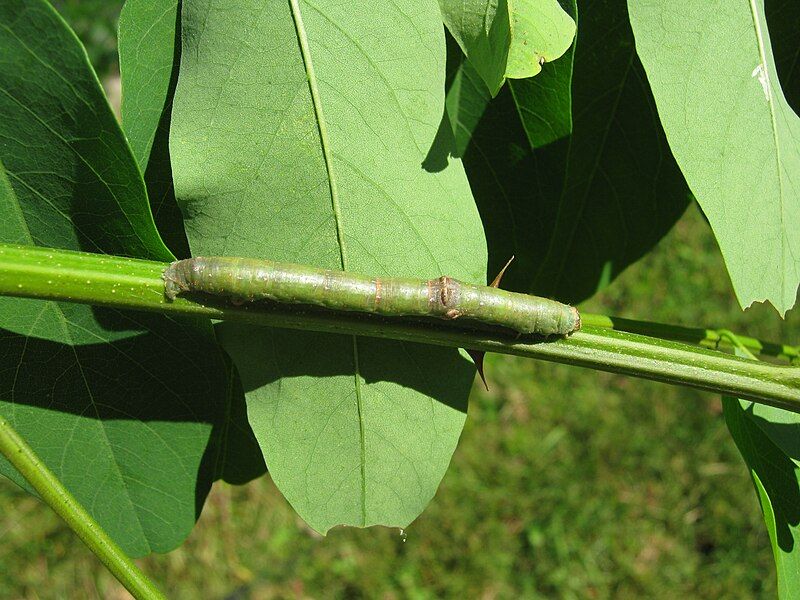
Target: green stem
column 137, row 284
column 716, row 339
column 53, row 492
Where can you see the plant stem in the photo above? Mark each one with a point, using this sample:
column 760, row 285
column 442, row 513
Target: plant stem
column 53, row 492
column 137, row 284
column 715, row 339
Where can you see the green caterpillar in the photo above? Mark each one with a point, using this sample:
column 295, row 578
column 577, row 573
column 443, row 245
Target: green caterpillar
column 442, row 298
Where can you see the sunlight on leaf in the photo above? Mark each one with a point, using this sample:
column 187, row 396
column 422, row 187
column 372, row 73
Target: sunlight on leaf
column 732, row 132
column 354, row 431
column 508, row 38
column 149, row 51
column 121, row 406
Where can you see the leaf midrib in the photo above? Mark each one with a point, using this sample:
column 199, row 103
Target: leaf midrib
column 770, row 101
column 327, row 154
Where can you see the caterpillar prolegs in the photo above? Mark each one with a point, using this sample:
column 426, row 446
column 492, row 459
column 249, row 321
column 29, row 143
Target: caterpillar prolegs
column 443, row 298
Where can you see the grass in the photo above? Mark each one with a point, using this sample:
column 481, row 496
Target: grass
column 566, row 483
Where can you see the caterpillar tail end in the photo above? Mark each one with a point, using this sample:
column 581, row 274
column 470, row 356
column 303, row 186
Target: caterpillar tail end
column 172, row 285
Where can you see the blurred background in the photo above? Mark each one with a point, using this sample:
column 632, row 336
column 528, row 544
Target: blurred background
column 567, row 482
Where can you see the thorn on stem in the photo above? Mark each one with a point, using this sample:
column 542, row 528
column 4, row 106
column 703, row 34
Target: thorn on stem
column 496, row 282
column 477, row 357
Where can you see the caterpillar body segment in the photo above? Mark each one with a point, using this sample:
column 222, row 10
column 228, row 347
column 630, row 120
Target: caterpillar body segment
column 445, row 298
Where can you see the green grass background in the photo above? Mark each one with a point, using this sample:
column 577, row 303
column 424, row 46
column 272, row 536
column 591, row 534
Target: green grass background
column 567, row 482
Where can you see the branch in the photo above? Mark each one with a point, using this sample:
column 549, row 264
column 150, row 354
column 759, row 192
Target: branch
column 52, row 491
column 716, row 339
column 126, row 283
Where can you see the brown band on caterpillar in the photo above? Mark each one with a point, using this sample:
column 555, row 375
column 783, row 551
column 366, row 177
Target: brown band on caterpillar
column 442, row 298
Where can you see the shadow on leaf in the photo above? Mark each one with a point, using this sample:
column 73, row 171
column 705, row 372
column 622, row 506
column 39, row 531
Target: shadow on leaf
column 283, row 353
column 578, row 210
column 146, row 421
column 773, row 465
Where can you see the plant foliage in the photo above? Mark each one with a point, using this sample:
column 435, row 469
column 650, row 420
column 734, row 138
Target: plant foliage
column 366, row 138
column 733, row 133
column 123, row 419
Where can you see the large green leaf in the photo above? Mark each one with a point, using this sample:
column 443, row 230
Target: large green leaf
column 52, row 105
column 769, row 440
column 575, row 209
column 508, row 38
column 149, row 52
column 119, row 405
column 354, row 431
column 123, row 422
column 713, row 74
column 149, row 56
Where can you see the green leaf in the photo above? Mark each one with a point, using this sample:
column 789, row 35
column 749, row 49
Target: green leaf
column 238, row 455
column 768, row 441
column 508, row 38
column 575, row 209
column 70, row 179
column 540, row 32
column 149, row 56
column 467, row 99
column 543, row 104
column 53, row 106
column 119, row 405
column 149, row 52
column 122, row 422
column 732, row 132
column 482, row 30
column 353, row 431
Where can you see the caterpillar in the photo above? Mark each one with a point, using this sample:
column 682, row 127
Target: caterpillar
column 443, row 298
